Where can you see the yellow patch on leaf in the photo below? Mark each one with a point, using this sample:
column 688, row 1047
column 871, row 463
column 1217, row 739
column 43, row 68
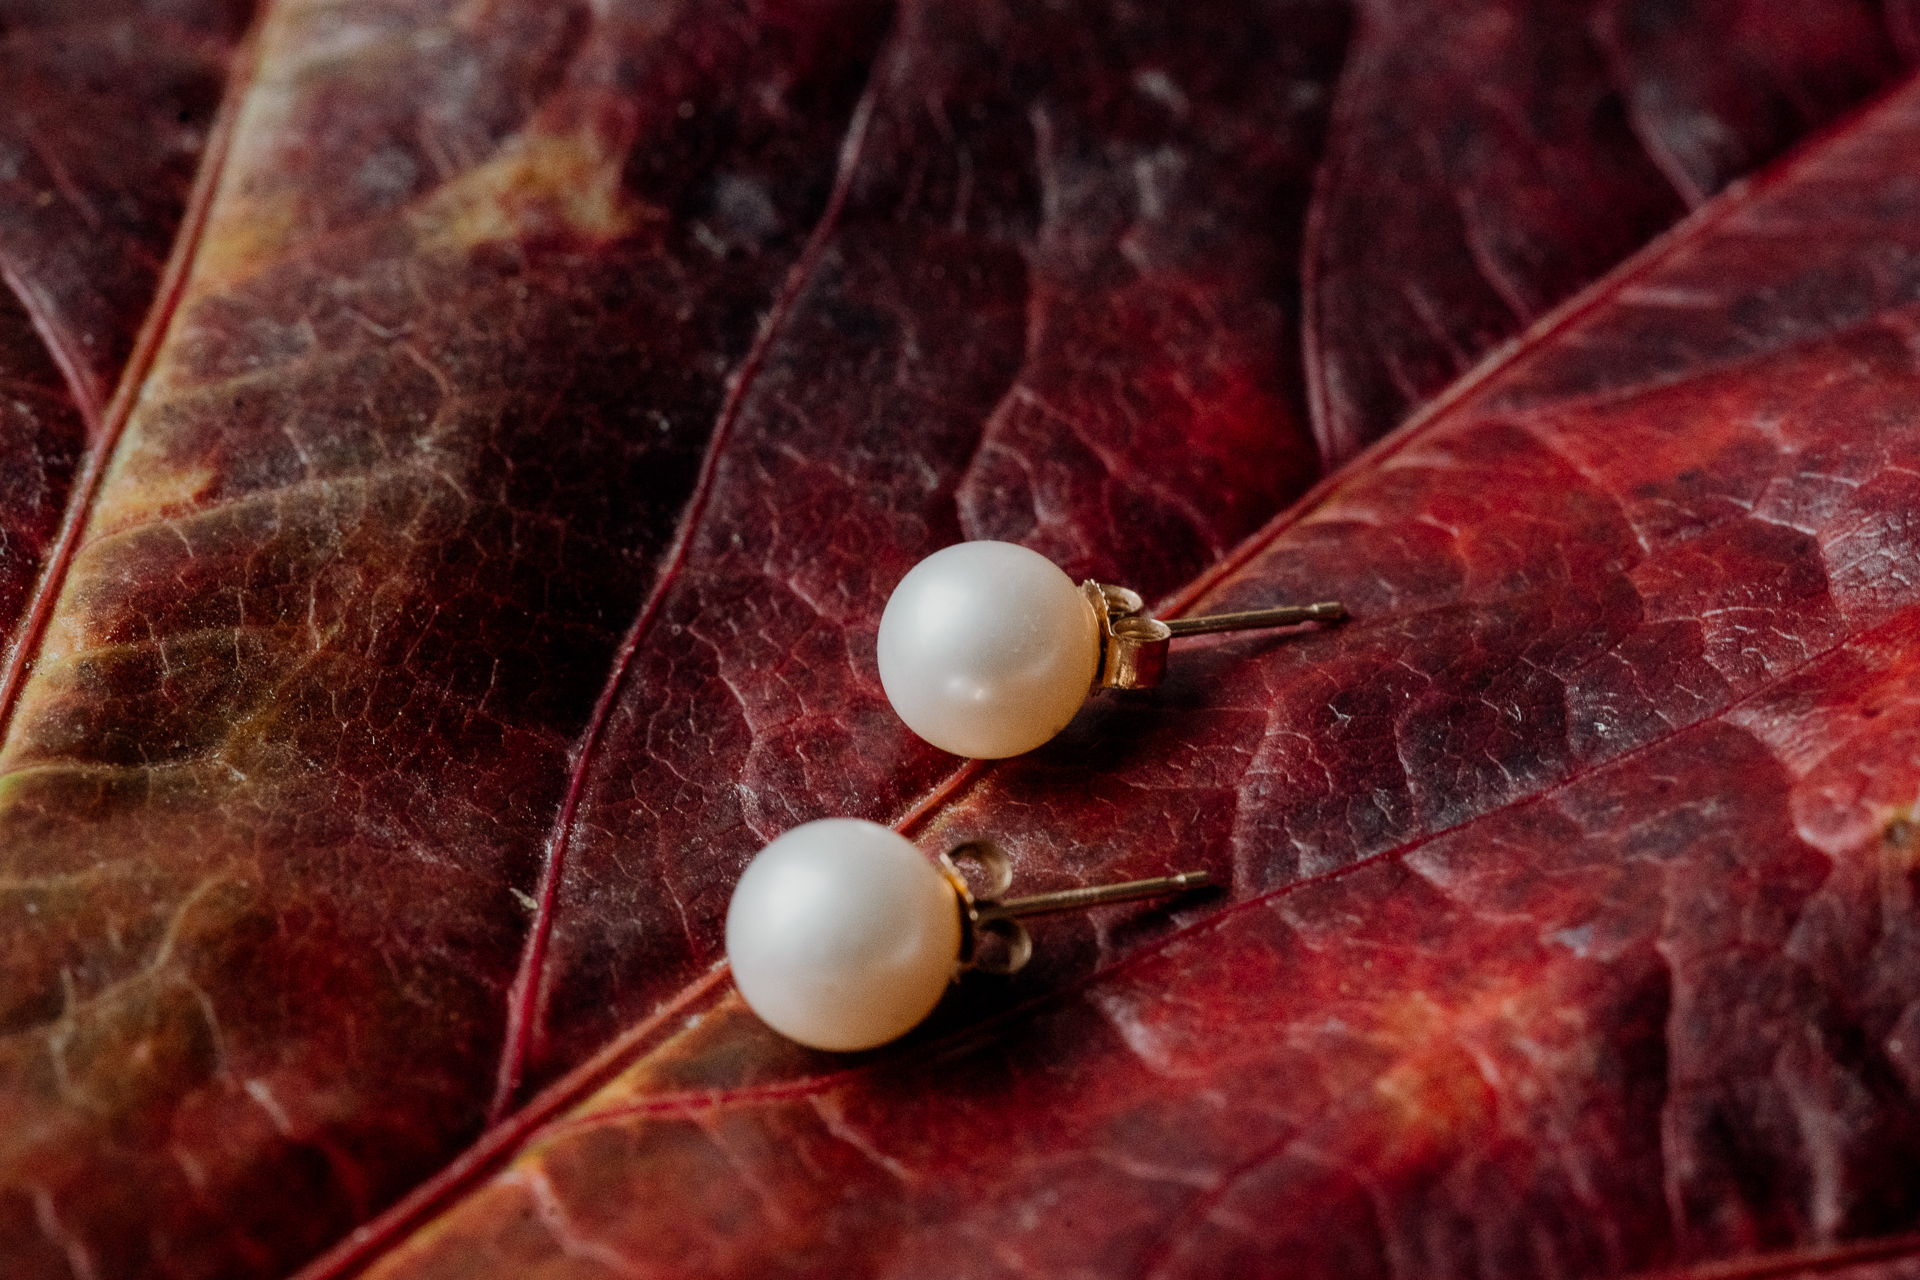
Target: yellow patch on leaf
column 540, row 186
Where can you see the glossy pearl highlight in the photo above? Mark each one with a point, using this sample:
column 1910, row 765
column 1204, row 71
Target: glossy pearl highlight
column 842, row 935
column 987, row 649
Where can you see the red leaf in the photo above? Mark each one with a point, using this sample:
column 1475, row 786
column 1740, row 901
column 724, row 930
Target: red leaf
column 1571, row 923
column 480, row 554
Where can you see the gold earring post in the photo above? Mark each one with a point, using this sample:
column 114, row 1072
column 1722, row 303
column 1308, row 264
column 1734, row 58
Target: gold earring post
column 1280, row 616
column 1040, row 904
column 1133, row 643
column 991, row 913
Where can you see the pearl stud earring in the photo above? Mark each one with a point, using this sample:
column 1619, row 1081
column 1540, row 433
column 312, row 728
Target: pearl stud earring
column 843, row 936
column 987, row 649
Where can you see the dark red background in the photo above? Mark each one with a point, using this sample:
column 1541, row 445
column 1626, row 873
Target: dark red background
column 452, row 460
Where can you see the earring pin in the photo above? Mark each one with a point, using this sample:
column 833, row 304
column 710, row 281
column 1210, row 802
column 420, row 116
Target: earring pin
column 993, row 915
column 842, row 936
column 1134, row 644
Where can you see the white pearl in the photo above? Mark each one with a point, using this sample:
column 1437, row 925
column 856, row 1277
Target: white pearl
column 842, row 935
column 987, row 649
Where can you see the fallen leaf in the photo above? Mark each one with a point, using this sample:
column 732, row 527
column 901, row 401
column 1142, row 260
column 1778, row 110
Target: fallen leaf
column 479, row 493
column 1571, row 922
